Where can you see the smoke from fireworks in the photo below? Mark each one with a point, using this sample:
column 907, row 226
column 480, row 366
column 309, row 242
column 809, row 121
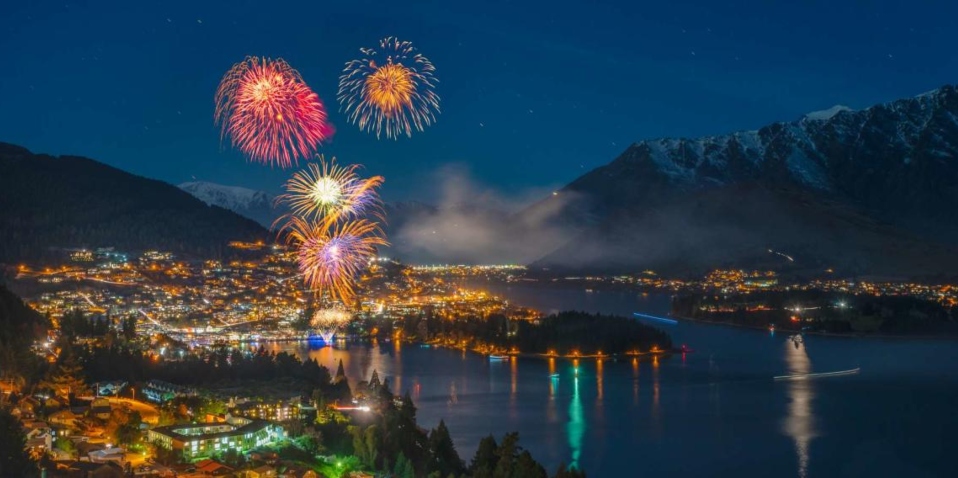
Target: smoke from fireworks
column 269, row 112
column 327, row 322
column 331, row 256
column 389, row 90
column 330, row 192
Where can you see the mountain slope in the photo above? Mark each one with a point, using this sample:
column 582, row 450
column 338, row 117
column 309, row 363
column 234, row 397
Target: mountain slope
column 249, row 203
column 752, row 226
column 51, row 202
column 878, row 173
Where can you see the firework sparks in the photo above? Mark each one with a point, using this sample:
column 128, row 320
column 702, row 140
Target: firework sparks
column 332, row 256
column 328, row 192
column 327, row 322
column 389, row 90
column 269, row 112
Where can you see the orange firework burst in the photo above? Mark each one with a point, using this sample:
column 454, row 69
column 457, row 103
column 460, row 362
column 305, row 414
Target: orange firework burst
column 331, row 257
column 389, row 90
column 269, row 112
column 330, row 192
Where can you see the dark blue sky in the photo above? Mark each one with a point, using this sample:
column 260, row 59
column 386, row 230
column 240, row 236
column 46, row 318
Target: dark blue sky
column 534, row 93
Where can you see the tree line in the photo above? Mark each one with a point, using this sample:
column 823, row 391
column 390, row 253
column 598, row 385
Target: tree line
column 564, row 333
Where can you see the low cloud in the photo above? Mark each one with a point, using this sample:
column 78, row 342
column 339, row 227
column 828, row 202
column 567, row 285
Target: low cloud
column 475, row 224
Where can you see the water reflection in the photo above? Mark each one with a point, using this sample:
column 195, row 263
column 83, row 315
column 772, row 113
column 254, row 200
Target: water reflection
column 551, row 415
column 514, row 371
column 635, row 381
column 799, row 424
column 453, row 395
column 599, row 373
column 397, row 373
column 576, row 427
column 655, row 387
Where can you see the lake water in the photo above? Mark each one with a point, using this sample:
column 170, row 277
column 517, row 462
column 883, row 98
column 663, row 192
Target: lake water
column 714, row 412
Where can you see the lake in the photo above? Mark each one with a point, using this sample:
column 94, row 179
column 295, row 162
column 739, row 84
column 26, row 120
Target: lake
column 714, row 412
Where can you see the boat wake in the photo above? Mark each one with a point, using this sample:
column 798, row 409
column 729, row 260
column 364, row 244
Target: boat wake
column 808, row 376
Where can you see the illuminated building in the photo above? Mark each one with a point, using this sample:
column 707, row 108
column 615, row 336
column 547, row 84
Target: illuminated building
column 277, row 411
column 205, row 439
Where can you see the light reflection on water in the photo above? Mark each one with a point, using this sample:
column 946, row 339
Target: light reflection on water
column 575, row 429
column 799, row 424
column 514, row 378
column 720, row 401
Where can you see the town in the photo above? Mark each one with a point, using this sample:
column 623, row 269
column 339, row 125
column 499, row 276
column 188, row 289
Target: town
column 199, row 322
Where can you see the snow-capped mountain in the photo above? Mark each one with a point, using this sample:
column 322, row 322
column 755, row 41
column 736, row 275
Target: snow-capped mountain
column 256, row 205
column 897, row 160
column 888, row 172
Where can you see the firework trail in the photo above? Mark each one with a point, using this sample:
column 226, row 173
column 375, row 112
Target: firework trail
column 269, row 112
column 327, row 192
column 330, row 257
column 389, row 90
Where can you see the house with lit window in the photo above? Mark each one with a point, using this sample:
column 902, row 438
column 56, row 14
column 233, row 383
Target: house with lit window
column 197, row 440
column 275, row 410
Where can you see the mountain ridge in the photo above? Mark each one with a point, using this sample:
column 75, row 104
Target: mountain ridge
column 257, row 205
column 52, row 202
column 894, row 163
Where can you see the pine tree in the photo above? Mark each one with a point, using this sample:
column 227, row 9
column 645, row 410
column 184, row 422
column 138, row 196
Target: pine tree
column 340, row 372
column 485, row 459
column 527, row 467
column 506, row 456
column 14, row 460
column 442, row 451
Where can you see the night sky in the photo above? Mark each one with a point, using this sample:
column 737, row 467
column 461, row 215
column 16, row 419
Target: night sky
column 534, row 93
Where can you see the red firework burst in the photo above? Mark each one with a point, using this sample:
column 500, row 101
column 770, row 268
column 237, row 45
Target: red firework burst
column 269, row 112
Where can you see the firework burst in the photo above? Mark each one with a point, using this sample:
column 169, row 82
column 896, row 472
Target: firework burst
column 327, row 322
column 327, row 192
column 269, row 112
column 331, row 257
column 389, row 90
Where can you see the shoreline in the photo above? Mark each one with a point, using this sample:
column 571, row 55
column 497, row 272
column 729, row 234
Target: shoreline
column 818, row 333
column 546, row 356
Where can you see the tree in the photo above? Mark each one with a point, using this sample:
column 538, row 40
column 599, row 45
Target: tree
column 233, row 458
column 442, row 452
column 485, row 459
column 340, row 372
column 129, row 327
column 65, row 381
column 67, row 445
column 506, row 456
column 404, row 468
column 527, row 467
column 571, row 472
column 14, row 460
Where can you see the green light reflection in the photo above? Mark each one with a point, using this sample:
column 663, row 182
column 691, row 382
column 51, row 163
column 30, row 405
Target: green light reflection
column 576, row 427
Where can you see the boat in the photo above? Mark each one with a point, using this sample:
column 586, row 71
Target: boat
column 685, row 349
column 806, row 376
column 496, row 358
column 554, row 375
